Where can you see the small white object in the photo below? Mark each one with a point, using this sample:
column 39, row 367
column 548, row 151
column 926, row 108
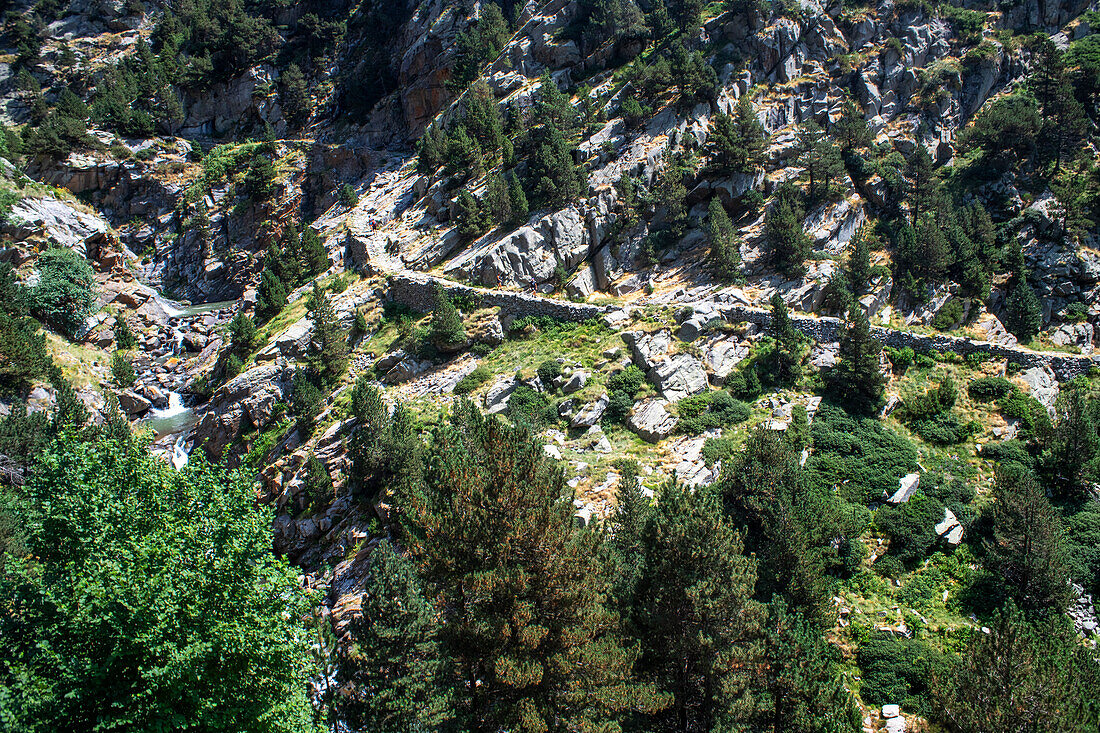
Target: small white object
column 891, row 711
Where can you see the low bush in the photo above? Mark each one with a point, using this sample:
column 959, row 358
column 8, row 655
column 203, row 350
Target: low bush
column 473, row 380
column 858, row 455
column 945, row 428
column 717, row 409
column 987, row 389
column 548, row 371
column 899, row 671
column 530, row 409
column 629, row 380
column 911, row 526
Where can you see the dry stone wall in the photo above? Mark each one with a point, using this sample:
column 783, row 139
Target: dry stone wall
column 417, row 292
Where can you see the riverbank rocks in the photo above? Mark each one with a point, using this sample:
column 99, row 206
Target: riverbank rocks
column 651, row 421
column 133, row 404
column 245, row 402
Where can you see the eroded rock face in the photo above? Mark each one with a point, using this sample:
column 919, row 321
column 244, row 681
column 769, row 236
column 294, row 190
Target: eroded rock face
column 56, row 221
column 651, row 421
column 243, row 403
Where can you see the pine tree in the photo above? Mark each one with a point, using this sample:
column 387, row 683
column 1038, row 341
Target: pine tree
column 1028, row 550
column 790, row 524
column 785, row 360
column 328, row 349
column 447, row 330
column 270, row 295
column 497, row 200
column 627, row 524
column 470, row 224
column 483, row 117
column 517, row 200
column 859, row 263
column 1014, row 263
column 242, row 334
column 724, row 255
column 1021, row 678
column 553, row 176
column 395, row 671
column 286, row 258
column 431, row 150
column 800, row 690
column 783, row 232
column 314, row 255
column 531, row 644
column 462, row 157
column 751, row 132
column 695, row 616
column 69, row 412
column 820, row 158
column 851, row 130
column 552, row 106
column 1070, row 461
column 124, row 337
column 316, row 491
column 856, row 379
column 1023, row 311
column 922, row 184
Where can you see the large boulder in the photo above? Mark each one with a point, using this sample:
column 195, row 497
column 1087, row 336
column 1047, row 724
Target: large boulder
column 679, row 376
column 651, row 421
column 243, row 403
column 646, row 349
column 591, row 413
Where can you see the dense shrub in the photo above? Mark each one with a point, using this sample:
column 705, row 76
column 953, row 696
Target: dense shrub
column 911, row 526
column 65, row 293
column 899, row 671
column 530, row 409
column 986, row 389
column 473, row 380
column 629, row 380
column 859, row 455
column 945, row 428
column 548, row 371
column 710, row 410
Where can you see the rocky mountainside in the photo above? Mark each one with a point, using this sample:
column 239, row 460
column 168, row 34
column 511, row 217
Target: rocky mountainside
column 647, row 231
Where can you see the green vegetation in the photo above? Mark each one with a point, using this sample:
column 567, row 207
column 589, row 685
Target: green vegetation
column 65, row 293
column 137, row 572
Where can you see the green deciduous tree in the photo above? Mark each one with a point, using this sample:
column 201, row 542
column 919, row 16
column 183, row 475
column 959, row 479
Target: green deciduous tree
column 150, row 600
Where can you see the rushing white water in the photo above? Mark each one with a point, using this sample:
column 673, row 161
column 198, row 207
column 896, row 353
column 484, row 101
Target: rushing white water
column 179, row 452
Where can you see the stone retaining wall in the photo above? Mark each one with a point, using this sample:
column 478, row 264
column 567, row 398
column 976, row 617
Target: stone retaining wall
column 1064, row 366
column 417, row 292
